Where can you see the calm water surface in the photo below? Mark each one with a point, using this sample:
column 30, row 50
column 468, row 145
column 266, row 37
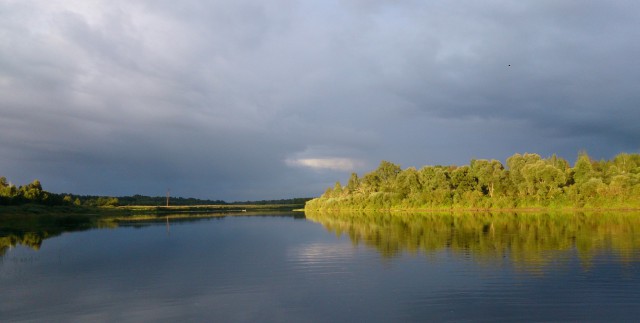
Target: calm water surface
column 329, row 268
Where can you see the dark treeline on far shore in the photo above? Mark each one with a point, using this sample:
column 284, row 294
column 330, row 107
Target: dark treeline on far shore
column 162, row 200
column 527, row 181
column 33, row 193
column 297, row 201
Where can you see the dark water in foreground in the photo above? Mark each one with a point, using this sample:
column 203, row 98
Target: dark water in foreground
column 331, row 268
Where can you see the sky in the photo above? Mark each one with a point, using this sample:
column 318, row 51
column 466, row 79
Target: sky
column 249, row 100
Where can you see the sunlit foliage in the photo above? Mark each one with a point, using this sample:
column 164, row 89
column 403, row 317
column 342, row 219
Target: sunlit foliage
column 33, row 193
column 528, row 180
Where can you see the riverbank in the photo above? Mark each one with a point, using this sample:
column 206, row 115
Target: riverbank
column 39, row 209
column 465, row 209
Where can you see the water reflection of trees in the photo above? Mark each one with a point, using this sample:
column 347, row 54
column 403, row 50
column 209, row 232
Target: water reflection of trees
column 530, row 239
column 32, row 230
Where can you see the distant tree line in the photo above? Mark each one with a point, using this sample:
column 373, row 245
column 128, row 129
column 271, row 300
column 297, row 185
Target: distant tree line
column 33, row 193
column 528, row 180
column 162, row 200
column 300, row 201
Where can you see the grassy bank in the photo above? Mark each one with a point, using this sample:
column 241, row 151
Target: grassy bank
column 39, row 209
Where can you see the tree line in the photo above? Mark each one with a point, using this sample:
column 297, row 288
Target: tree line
column 29, row 193
column 528, row 180
column 11, row 194
column 297, row 201
column 162, row 200
column 33, row 193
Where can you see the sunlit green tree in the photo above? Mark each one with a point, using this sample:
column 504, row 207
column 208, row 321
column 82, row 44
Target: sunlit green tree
column 353, row 184
column 583, row 169
column 490, row 175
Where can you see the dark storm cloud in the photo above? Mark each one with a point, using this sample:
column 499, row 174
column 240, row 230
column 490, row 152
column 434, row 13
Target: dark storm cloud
column 253, row 99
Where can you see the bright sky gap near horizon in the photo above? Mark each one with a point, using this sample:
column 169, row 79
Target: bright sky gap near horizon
column 246, row 100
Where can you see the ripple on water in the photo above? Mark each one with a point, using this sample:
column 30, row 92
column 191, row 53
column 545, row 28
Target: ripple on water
column 321, row 259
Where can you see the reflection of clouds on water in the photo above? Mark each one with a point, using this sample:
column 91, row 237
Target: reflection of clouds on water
column 321, row 258
column 317, row 252
column 280, row 269
column 133, row 275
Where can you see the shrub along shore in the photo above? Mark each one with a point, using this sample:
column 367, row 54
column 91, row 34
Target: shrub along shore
column 527, row 182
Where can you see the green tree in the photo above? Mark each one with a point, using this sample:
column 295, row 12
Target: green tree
column 33, row 192
column 590, row 189
column 408, row 183
column 7, row 190
column 328, row 193
column 516, row 164
column 354, row 183
column 434, row 177
column 371, row 182
column 387, row 172
column 544, row 181
column 337, row 189
column 107, row 201
column 583, row 169
column 436, row 186
column 464, row 186
column 490, row 174
column 462, row 180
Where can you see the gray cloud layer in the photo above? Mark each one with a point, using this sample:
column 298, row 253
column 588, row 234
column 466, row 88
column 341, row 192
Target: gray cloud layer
column 253, row 99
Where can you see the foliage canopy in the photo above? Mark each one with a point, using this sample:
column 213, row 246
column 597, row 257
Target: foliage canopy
column 527, row 181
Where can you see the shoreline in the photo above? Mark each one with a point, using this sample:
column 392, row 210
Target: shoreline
column 133, row 210
column 524, row 209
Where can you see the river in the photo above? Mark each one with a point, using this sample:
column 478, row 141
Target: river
column 353, row 267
